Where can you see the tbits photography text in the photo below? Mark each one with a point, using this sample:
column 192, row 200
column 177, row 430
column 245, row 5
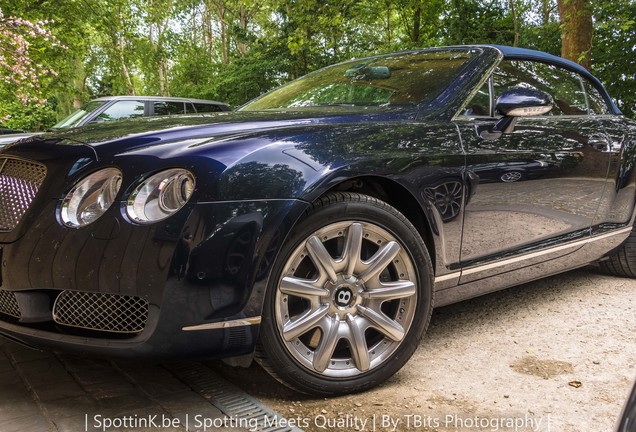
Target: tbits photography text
column 346, row 422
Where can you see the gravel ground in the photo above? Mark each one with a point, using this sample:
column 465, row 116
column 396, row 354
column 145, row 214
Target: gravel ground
column 553, row 355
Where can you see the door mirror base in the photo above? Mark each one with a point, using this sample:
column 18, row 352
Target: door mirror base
column 504, row 125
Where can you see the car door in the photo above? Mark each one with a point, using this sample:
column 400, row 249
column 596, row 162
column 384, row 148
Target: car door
column 619, row 143
column 541, row 184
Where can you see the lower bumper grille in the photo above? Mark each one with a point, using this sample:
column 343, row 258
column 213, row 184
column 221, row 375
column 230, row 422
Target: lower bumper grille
column 9, row 304
column 101, row 312
column 20, row 181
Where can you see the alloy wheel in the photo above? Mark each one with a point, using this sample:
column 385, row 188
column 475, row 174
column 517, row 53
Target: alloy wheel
column 511, row 176
column 346, row 299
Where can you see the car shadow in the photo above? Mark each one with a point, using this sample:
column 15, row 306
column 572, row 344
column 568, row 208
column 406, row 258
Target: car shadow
column 446, row 322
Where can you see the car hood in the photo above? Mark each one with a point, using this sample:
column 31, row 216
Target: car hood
column 117, row 137
column 11, row 138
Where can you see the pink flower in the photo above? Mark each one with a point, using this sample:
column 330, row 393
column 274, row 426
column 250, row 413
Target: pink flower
column 16, row 67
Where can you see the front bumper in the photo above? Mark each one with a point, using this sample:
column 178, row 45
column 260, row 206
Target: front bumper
column 163, row 338
column 197, row 280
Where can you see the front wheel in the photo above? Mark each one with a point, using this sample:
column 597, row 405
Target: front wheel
column 349, row 299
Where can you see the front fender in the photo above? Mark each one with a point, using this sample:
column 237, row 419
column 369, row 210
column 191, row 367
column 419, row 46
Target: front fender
column 413, row 164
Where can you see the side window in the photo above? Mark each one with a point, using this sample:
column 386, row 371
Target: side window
column 479, row 105
column 122, row 110
column 190, row 108
column 168, row 108
column 564, row 86
column 596, row 103
column 200, row 107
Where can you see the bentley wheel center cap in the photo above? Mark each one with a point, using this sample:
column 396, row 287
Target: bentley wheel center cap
column 344, row 297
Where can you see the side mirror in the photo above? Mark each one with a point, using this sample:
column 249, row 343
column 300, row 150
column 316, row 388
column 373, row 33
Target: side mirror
column 515, row 103
column 521, row 102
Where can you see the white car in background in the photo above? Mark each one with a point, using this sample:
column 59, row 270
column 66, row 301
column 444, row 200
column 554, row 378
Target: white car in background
column 111, row 108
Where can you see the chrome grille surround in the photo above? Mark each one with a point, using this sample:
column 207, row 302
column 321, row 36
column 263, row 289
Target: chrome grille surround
column 9, row 304
column 20, row 181
column 101, row 312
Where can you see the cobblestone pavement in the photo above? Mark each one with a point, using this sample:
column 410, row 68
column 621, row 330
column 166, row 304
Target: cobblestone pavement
column 559, row 350
column 43, row 391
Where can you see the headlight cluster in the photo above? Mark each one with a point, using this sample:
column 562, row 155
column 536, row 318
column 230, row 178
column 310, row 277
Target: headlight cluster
column 160, row 196
column 90, row 198
column 152, row 200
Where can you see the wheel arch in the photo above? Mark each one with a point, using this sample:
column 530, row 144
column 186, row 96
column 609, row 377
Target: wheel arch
column 397, row 196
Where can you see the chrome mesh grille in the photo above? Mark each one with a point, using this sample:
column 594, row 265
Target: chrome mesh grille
column 20, row 181
column 9, row 305
column 101, row 312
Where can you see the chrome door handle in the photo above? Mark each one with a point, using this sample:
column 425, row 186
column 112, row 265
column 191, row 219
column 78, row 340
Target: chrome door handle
column 599, row 143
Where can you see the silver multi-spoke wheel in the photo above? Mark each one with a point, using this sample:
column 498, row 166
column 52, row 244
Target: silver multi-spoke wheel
column 346, row 298
column 349, row 297
column 511, row 176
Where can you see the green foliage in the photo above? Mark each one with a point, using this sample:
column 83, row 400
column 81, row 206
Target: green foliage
column 246, row 78
column 613, row 52
column 474, row 22
column 27, row 117
column 234, row 50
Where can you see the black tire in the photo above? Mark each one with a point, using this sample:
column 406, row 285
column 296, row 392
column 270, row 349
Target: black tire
column 622, row 261
column 358, row 342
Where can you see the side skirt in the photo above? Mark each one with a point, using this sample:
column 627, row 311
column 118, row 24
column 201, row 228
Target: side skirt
column 582, row 252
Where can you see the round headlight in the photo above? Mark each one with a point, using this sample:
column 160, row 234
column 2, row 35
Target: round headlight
column 90, row 198
column 160, row 196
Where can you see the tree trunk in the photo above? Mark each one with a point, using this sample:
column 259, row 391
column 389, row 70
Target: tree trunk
column 576, row 31
column 163, row 77
column 224, row 44
column 80, row 85
column 160, row 56
column 546, row 9
column 417, row 23
column 515, row 21
column 243, row 19
column 193, row 17
column 129, row 87
column 388, row 23
column 221, row 11
column 208, row 30
column 120, row 46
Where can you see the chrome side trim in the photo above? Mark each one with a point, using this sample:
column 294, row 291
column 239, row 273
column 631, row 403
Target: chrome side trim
column 224, row 324
column 446, row 277
column 544, row 252
column 532, row 255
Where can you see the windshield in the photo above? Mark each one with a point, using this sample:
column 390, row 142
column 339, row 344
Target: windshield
column 385, row 81
column 78, row 115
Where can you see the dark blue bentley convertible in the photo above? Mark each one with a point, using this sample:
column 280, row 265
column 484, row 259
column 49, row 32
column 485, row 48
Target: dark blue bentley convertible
column 318, row 226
